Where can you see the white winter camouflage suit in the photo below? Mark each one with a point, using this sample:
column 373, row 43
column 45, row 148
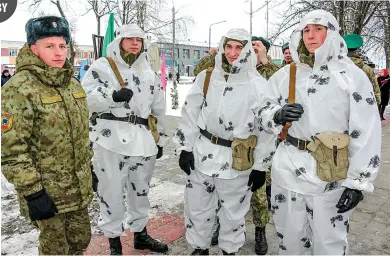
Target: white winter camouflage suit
column 230, row 110
column 337, row 97
column 125, row 153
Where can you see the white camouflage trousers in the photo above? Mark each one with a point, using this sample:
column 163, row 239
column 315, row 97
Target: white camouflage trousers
column 116, row 173
column 201, row 195
column 308, row 224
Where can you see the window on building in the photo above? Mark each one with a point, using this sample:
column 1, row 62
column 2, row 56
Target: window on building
column 13, row 52
column 196, row 54
column 186, row 53
column 91, row 55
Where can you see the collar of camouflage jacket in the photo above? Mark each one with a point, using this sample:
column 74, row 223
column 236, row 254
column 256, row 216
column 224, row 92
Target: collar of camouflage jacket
column 304, row 55
column 128, row 57
column 57, row 77
column 358, row 62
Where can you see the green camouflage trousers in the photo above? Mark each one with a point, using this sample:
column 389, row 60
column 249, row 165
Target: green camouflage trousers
column 65, row 234
column 259, row 204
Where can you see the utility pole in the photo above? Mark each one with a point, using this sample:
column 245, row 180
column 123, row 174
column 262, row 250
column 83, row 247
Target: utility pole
column 173, row 46
column 210, row 31
column 250, row 17
column 267, row 19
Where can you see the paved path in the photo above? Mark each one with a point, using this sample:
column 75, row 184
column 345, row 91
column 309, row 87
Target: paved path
column 369, row 225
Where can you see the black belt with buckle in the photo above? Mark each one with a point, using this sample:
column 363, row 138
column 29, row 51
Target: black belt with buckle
column 133, row 119
column 215, row 139
column 300, row 144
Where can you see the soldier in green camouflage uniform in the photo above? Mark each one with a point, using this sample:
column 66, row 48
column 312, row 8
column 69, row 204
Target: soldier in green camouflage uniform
column 287, row 59
column 206, row 62
column 45, row 139
column 259, row 202
column 354, row 42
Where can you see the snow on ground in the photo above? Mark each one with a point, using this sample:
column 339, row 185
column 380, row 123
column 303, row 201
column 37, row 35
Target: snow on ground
column 183, row 88
column 165, row 197
column 19, row 237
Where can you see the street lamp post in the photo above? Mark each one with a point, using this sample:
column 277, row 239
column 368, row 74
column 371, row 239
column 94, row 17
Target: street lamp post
column 210, row 31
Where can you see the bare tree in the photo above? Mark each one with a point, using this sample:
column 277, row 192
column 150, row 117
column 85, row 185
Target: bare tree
column 147, row 14
column 367, row 18
column 100, row 8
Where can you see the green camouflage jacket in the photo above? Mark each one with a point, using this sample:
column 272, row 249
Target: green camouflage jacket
column 45, row 134
column 371, row 76
column 206, row 62
column 265, row 71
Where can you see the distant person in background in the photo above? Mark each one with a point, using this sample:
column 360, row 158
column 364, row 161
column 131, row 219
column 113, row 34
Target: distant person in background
column 384, row 84
column 287, row 55
column 354, row 43
column 177, row 77
column 5, row 76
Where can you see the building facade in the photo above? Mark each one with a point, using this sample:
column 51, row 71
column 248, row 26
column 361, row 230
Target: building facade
column 10, row 49
column 188, row 54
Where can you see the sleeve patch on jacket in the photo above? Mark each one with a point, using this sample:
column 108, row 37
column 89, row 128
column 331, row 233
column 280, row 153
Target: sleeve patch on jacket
column 6, row 122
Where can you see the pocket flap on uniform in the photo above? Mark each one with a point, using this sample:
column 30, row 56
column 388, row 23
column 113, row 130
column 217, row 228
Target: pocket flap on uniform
column 331, row 140
column 51, row 99
column 79, row 95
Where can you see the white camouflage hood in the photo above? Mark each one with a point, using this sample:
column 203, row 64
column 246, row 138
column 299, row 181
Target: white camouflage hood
column 246, row 60
column 126, row 31
column 334, row 47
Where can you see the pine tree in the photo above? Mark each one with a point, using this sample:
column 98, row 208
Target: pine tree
column 174, row 96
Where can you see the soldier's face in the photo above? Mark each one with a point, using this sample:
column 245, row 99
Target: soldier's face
column 233, row 50
column 287, row 56
column 132, row 44
column 51, row 50
column 314, row 36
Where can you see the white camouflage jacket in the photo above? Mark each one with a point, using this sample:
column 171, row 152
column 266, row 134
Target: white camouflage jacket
column 100, row 82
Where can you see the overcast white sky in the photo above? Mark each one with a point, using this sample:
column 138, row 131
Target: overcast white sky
column 204, row 12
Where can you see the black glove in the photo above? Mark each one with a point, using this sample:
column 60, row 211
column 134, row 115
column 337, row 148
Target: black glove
column 256, row 180
column 124, row 94
column 349, row 199
column 288, row 113
column 187, row 162
column 160, row 152
column 40, row 206
column 95, row 180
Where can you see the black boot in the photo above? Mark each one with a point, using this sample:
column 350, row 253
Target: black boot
column 115, row 246
column 225, row 253
column 261, row 246
column 200, row 252
column 143, row 241
column 214, row 239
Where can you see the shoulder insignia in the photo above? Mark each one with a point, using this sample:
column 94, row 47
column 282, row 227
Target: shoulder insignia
column 51, row 99
column 6, row 122
column 79, row 95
